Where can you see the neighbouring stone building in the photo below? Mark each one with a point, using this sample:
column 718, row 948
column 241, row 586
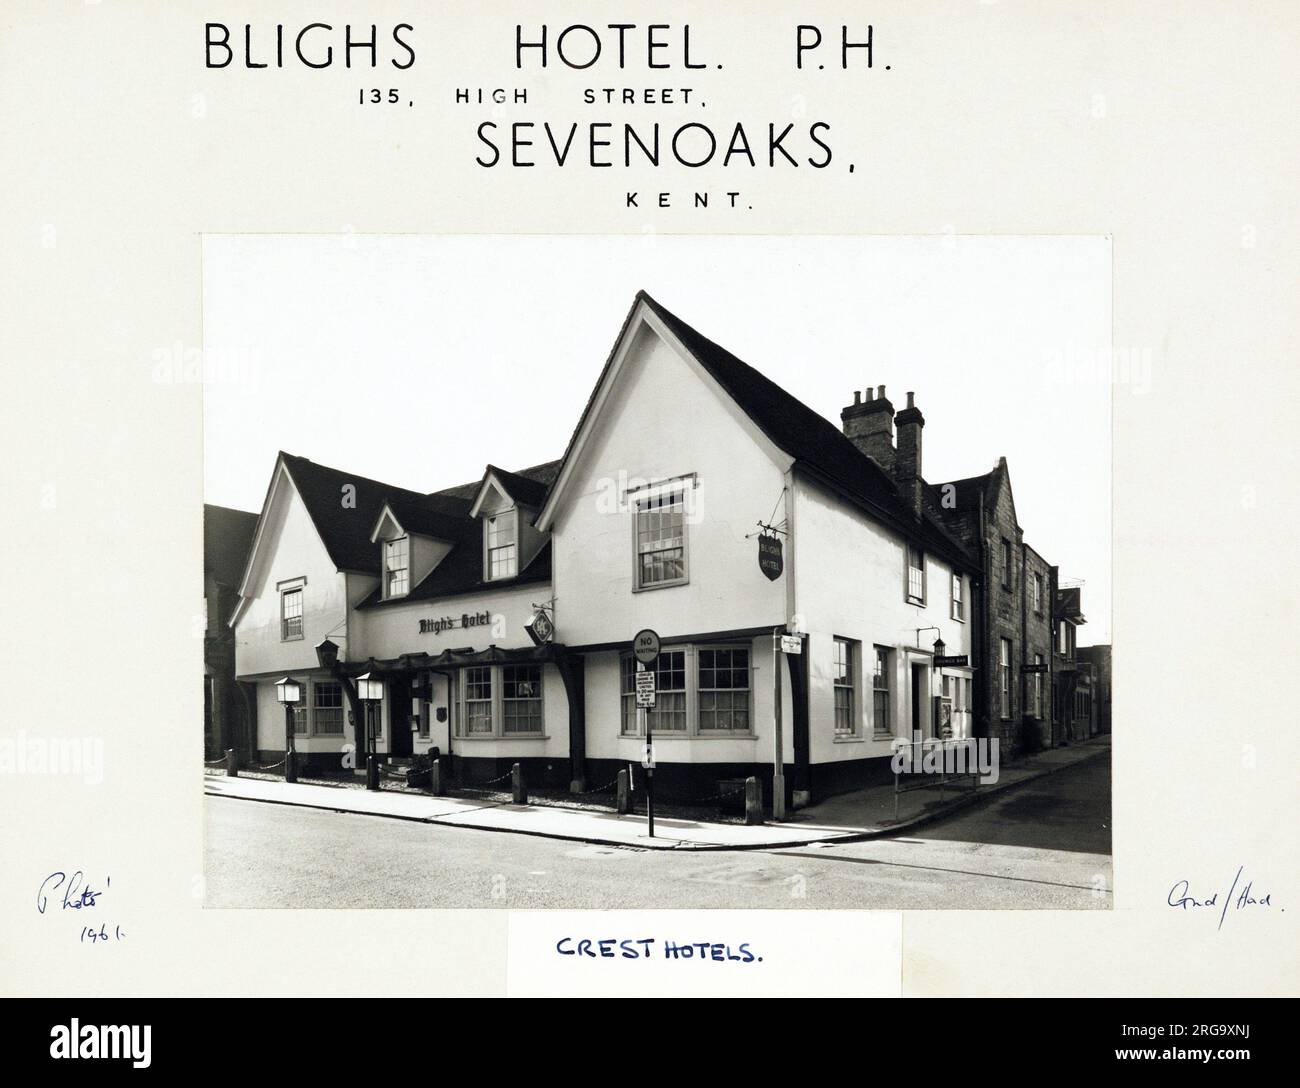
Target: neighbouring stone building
column 1098, row 657
column 227, row 714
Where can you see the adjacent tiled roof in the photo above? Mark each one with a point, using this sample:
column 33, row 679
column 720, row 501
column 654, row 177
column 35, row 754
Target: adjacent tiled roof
column 345, row 529
column 813, row 441
column 227, row 536
column 967, row 492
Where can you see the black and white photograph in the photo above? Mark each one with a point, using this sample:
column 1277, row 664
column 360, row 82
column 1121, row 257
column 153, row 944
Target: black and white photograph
column 519, row 574
column 660, row 500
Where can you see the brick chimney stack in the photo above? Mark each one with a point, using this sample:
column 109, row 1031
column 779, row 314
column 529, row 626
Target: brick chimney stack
column 907, row 464
column 870, row 425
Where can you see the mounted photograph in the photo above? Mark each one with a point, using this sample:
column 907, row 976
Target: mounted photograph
column 680, row 571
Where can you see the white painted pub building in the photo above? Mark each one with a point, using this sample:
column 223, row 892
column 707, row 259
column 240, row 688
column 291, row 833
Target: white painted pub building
column 651, row 519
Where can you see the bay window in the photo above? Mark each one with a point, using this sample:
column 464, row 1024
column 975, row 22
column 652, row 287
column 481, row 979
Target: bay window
column 724, row 691
column 501, row 701
column 521, row 699
column 478, row 700
column 699, row 691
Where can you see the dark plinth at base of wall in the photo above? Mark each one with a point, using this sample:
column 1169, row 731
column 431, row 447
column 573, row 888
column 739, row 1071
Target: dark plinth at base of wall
column 540, row 772
column 830, row 779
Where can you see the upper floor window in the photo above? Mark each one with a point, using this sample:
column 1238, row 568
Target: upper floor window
column 958, row 602
column 844, row 679
column 290, row 613
column 502, row 546
column 1006, row 563
column 1036, row 593
column 661, row 539
column 397, row 567
column 915, row 575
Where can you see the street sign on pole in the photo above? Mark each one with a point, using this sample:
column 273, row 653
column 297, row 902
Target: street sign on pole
column 645, row 689
column 645, row 646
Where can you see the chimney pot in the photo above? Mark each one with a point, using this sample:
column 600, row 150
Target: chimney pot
column 882, row 392
column 857, row 397
column 910, row 401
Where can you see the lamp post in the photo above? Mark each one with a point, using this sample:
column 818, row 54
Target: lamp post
column 370, row 690
column 289, row 692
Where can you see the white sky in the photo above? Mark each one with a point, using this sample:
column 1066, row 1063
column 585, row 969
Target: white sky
column 417, row 359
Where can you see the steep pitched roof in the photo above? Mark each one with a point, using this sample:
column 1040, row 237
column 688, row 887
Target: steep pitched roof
column 345, row 529
column 227, row 536
column 816, row 444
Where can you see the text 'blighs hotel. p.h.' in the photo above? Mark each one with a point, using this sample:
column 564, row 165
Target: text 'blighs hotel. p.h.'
column 649, row 520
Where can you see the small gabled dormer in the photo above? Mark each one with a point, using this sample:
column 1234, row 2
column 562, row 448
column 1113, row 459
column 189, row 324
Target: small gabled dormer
column 506, row 504
column 406, row 557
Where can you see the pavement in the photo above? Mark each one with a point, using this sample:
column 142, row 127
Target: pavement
column 853, row 817
column 1044, row 845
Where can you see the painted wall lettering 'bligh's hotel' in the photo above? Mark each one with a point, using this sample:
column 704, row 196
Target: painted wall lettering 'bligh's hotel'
column 647, row 521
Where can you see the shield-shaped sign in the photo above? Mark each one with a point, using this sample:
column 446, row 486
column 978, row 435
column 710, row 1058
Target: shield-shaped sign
column 770, row 561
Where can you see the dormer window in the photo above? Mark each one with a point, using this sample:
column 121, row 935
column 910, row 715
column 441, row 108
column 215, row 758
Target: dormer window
column 501, row 541
column 397, row 567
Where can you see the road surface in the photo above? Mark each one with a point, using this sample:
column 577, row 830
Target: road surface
column 1043, row 845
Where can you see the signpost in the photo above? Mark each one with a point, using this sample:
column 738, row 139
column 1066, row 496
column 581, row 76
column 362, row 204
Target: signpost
column 951, row 660
column 645, row 648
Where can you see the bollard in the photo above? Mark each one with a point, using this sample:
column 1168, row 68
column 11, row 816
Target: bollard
column 517, row 785
column 372, row 772
column 753, row 801
column 436, row 786
column 290, row 767
column 232, row 764
column 624, row 803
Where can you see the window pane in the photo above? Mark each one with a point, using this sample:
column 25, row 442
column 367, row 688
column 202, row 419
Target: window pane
column 521, row 693
column 660, row 538
column 724, row 690
column 327, row 708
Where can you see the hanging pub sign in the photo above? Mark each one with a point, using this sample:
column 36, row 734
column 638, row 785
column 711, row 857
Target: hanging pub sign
column 770, row 560
column 541, row 629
